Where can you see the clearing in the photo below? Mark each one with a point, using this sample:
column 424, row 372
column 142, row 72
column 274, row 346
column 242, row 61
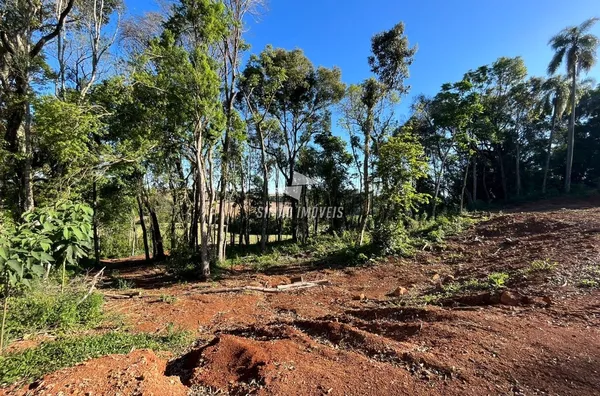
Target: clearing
column 434, row 324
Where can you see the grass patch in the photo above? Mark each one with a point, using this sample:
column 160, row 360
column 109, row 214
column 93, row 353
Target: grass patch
column 494, row 281
column 46, row 310
column 48, row 357
column 539, row 266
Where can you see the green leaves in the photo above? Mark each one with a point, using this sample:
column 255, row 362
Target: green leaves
column 62, row 232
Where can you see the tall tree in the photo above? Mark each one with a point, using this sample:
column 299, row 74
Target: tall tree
column 26, row 27
column 576, row 48
column 556, row 96
column 299, row 104
column 390, row 59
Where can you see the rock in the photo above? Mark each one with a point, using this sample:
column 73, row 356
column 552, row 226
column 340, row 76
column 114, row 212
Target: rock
column 400, row 291
column 359, row 297
column 436, row 278
column 509, row 298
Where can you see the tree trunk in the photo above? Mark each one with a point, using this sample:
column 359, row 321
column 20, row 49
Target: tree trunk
column 464, row 188
column 549, row 152
column 204, row 259
column 157, row 246
column 502, row 173
column 27, row 164
column 265, row 189
column 366, row 182
column 518, row 165
column 95, row 222
column 144, row 230
column 475, row 177
column 571, row 134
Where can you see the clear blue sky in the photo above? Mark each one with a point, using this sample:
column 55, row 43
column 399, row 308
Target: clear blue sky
column 453, row 36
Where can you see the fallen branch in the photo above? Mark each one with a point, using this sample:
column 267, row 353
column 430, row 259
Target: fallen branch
column 278, row 289
column 95, row 280
column 122, row 295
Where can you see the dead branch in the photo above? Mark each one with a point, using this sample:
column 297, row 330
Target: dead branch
column 278, row 289
column 121, row 296
column 95, row 281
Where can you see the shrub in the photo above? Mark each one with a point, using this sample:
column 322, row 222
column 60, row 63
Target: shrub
column 391, row 239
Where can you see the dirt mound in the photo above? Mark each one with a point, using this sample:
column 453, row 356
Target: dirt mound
column 232, row 359
column 138, row 373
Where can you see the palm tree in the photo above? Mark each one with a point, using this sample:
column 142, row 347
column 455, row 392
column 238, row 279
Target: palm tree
column 577, row 49
column 556, row 95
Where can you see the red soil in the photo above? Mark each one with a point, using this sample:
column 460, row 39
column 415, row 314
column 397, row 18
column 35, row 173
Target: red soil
column 325, row 341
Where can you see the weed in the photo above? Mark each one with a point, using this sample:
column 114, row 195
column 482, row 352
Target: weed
column 497, row 280
column 46, row 309
column 168, row 299
column 538, row 266
column 588, row 283
column 122, row 284
column 55, row 355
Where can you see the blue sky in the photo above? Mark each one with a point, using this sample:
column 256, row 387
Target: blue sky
column 453, row 36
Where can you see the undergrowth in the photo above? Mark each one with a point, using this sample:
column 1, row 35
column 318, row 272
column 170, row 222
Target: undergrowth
column 402, row 238
column 30, row 364
column 45, row 309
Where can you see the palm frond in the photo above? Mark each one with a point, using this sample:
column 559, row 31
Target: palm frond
column 586, row 25
column 561, row 40
column 589, row 42
column 586, row 61
column 556, row 60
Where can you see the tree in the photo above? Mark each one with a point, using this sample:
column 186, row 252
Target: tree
column 260, row 82
column 576, row 48
column 26, row 27
column 299, row 103
column 556, row 96
column 231, row 47
column 390, row 59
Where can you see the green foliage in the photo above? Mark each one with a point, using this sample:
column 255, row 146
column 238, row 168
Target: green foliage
column 122, row 283
column 33, row 363
column 66, row 227
column 46, row 309
column 497, row 280
column 391, row 239
column 494, row 281
column 541, row 266
column 168, row 299
column 401, row 164
column 589, row 283
column 65, row 131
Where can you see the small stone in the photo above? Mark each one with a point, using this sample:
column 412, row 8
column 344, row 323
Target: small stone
column 509, row 298
column 400, row 291
column 436, row 278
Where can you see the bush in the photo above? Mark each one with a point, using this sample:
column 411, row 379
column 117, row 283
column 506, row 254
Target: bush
column 51, row 356
column 391, row 239
column 47, row 309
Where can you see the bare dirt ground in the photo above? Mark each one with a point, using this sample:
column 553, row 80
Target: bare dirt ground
column 352, row 337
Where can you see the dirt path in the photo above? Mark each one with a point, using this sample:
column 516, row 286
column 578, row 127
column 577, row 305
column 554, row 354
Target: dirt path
column 352, row 338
